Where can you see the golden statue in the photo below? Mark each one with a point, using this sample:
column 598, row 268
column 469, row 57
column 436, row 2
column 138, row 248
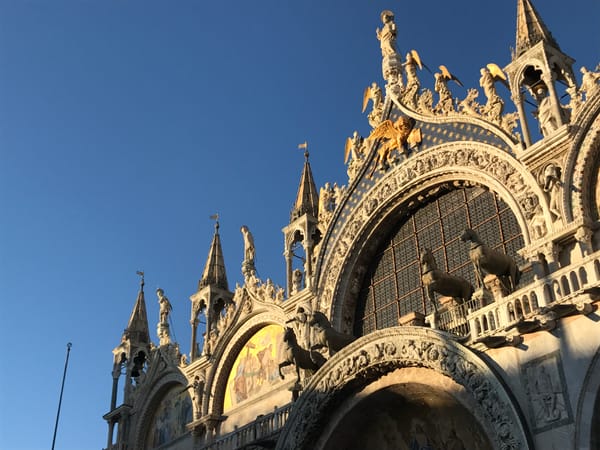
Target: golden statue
column 396, row 135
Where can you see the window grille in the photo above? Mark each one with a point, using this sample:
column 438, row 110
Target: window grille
column 392, row 286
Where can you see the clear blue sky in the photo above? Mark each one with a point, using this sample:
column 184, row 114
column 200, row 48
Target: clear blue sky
column 125, row 124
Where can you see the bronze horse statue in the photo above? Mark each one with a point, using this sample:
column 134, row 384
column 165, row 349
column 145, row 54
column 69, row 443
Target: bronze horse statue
column 489, row 261
column 298, row 356
column 436, row 280
column 325, row 335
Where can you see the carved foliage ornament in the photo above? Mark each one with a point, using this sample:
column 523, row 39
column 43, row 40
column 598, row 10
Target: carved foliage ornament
column 451, row 158
column 381, row 352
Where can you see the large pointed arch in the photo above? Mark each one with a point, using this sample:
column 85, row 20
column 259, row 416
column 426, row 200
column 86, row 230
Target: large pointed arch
column 470, row 162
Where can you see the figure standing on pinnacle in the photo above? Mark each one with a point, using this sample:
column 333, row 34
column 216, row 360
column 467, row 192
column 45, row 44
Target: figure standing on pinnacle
column 164, row 305
column 387, row 35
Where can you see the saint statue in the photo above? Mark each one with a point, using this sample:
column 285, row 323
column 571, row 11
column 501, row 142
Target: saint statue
column 387, row 35
column 249, row 251
column 164, row 305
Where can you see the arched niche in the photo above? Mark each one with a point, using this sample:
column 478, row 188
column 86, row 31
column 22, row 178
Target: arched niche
column 164, row 413
column 260, row 330
column 408, row 408
column 255, row 369
column 172, row 413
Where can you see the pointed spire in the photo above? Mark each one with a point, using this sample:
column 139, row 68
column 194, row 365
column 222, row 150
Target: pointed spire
column 530, row 28
column 137, row 329
column 214, row 271
column 307, row 199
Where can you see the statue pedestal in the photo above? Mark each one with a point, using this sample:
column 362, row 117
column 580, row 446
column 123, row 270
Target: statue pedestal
column 162, row 330
column 494, row 285
column 248, row 269
column 391, row 68
column 413, row 319
column 482, row 297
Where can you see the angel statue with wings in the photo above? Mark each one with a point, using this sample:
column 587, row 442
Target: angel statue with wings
column 495, row 105
column 373, row 93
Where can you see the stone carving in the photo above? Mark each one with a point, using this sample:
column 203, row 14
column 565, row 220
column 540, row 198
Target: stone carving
column 262, row 291
column 197, row 387
column 354, row 148
column 226, row 320
column 441, row 282
column 373, row 93
column 411, row 91
column 210, row 342
column 354, row 155
column 326, row 203
column 545, row 113
column 297, row 277
column 589, row 82
column 548, row 397
column 468, row 105
column 584, row 236
column 165, row 306
column 248, row 267
column 390, row 349
column 575, row 101
column 509, row 123
column 489, row 261
column 387, row 35
column 445, row 104
column 553, row 186
column 425, row 104
column 247, row 306
column 298, row 356
column 535, row 216
column 325, row 336
column 492, row 110
column 495, row 105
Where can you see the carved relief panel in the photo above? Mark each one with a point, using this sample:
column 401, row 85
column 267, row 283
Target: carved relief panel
column 544, row 382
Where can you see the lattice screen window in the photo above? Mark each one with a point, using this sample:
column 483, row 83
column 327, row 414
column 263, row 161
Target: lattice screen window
column 392, row 287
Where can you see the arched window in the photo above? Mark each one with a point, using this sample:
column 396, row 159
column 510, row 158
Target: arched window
column 392, row 287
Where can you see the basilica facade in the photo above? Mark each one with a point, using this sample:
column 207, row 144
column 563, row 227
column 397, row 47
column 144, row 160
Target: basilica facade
column 446, row 297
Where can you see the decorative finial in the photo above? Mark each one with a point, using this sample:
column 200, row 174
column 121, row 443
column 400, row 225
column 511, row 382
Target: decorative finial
column 141, row 274
column 215, row 217
column 304, row 146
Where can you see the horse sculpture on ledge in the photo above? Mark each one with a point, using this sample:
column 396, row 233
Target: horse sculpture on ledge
column 325, row 335
column 436, row 280
column 298, row 356
column 489, row 261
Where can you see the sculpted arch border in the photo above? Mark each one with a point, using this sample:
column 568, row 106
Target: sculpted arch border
column 217, row 377
column 379, row 353
column 586, row 405
column 578, row 170
column 473, row 162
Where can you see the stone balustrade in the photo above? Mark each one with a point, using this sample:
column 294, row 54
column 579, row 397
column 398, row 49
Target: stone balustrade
column 262, row 428
column 534, row 306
